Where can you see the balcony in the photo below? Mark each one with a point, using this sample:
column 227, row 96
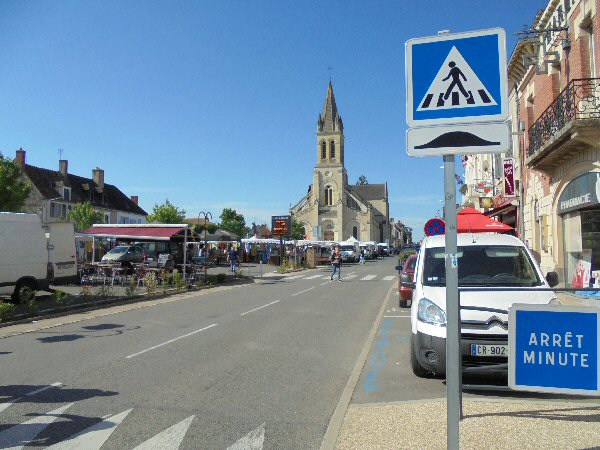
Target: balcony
column 571, row 123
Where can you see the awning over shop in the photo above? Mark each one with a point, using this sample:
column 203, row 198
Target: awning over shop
column 154, row 232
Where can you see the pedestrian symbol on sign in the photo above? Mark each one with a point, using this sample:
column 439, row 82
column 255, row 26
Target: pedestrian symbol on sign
column 463, row 80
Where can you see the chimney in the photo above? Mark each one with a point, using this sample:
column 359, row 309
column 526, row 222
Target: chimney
column 63, row 165
column 134, row 199
column 20, row 157
column 98, row 177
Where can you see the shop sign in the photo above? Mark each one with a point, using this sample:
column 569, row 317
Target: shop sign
column 281, row 225
column 582, row 192
column 509, row 177
column 501, row 201
column 486, row 202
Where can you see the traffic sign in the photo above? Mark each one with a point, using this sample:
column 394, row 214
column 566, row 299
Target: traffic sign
column 456, row 78
column 554, row 349
column 458, row 139
column 434, row 227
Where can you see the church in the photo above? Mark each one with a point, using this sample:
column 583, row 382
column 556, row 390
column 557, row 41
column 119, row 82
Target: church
column 334, row 210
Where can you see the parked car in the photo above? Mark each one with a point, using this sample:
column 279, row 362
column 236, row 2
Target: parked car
column 405, row 278
column 350, row 251
column 485, row 261
column 124, row 253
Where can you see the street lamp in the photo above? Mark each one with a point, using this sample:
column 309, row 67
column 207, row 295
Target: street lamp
column 206, row 216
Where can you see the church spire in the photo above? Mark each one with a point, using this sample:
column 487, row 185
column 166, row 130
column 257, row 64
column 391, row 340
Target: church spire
column 330, row 120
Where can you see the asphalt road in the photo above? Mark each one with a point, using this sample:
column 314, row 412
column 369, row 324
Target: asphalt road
column 252, row 366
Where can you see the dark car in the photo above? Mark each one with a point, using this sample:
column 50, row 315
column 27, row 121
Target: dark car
column 406, row 276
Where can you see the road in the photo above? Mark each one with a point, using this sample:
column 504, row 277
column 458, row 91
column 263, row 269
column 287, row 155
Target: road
column 250, row 366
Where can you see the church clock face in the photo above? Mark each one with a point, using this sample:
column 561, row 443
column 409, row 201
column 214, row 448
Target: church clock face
column 328, row 173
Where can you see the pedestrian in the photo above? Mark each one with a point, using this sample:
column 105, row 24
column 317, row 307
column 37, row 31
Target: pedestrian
column 361, row 259
column 233, row 259
column 336, row 262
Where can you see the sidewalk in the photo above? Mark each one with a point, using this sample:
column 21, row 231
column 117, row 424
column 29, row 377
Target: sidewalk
column 523, row 421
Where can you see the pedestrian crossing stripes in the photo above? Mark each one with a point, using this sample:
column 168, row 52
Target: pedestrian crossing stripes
column 368, row 278
column 313, row 277
column 350, row 276
column 455, row 99
column 389, row 278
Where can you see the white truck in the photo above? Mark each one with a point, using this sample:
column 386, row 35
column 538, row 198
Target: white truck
column 33, row 255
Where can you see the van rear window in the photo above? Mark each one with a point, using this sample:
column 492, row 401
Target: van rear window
column 480, row 265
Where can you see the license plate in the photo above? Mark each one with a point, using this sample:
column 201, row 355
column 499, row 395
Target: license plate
column 487, row 350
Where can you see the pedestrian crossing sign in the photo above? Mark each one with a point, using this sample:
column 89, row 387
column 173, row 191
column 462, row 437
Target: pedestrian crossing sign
column 456, row 78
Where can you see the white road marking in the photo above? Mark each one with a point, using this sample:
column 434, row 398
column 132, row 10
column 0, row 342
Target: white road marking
column 170, row 341
column 302, row 292
column 168, row 439
column 3, row 406
column 20, row 435
column 326, row 278
column 368, row 277
column 389, row 278
column 349, row 277
column 94, row 437
column 293, row 277
column 260, row 307
column 252, row 441
column 312, row 277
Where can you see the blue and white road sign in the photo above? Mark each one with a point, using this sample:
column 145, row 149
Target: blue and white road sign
column 554, row 349
column 456, row 78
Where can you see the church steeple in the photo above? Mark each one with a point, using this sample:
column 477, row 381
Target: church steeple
column 330, row 120
column 330, row 133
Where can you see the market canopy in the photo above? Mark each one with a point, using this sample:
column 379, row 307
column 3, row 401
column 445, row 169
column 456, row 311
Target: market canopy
column 154, row 232
column 469, row 220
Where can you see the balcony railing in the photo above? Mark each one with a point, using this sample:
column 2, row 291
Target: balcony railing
column 579, row 100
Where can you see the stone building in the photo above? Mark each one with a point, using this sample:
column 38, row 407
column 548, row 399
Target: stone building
column 333, row 209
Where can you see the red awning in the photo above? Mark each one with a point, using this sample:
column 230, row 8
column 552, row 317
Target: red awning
column 154, row 233
column 469, row 220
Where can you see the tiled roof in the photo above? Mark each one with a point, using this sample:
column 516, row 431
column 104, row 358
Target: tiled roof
column 369, row 191
column 45, row 181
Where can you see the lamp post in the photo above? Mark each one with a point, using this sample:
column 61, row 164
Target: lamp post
column 206, row 216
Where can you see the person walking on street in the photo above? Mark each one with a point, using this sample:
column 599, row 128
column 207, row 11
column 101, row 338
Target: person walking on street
column 233, row 259
column 336, row 262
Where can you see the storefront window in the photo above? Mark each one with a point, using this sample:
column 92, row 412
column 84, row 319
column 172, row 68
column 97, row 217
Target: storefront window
column 582, row 248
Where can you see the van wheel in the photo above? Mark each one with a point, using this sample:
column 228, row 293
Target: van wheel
column 23, row 291
column 416, row 367
column 403, row 303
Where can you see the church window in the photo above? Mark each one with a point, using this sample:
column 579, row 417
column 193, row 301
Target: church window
column 355, row 232
column 323, row 150
column 328, row 196
column 332, row 149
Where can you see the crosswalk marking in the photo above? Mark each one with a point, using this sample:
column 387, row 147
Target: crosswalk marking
column 345, row 277
column 94, row 437
column 19, row 436
column 389, row 278
column 312, row 277
column 368, row 277
column 169, row 438
column 349, row 277
column 293, row 277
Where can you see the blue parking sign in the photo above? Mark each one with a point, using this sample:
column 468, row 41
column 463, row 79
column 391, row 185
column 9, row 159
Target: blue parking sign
column 554, row 349
column 456, row 78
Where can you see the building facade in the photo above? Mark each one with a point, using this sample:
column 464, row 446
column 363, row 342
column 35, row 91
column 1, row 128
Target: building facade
column 332, row 209
column 54, row 193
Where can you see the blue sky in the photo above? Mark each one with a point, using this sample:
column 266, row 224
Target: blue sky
column 214, row 104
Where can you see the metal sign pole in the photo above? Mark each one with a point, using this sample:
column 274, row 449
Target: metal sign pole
column 453, row 369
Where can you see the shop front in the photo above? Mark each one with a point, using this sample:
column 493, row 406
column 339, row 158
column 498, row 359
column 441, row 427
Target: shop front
column 579, row 208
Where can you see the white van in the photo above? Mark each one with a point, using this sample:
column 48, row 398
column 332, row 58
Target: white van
column 485, row 261
column 349, row 250
column 32, row 256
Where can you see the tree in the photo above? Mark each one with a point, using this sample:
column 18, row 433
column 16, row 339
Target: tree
column 13, row 190
column 297, row 230
column 362, row 180
column 198, row 228
column 166, row 213
column 84, row 216
column 234, row 222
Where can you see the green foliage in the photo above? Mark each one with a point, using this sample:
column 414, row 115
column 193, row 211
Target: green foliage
column 234, row 222
column 464, row 189
column 404, row 256
column 178, row 280
column 84, row 216
column 297, row 230
column 132, row 287
column 59, row 298
column 198, row 228
column 104, row 291
column 6, row 311
column 362, row 180
column 13, row 190
column 151, row 283
column 86, row 291
column 285, row 266
column 166, row 213
column 31, row 305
